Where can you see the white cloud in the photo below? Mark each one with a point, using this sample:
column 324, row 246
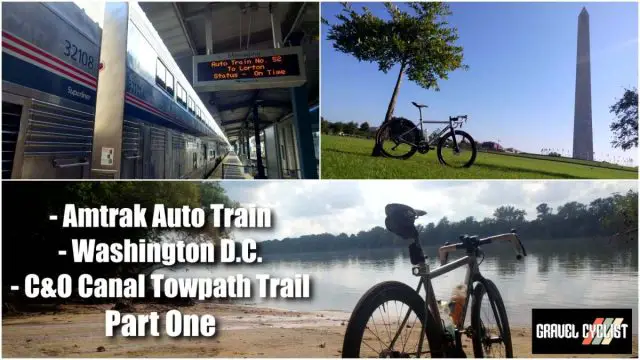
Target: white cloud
column 312, row 207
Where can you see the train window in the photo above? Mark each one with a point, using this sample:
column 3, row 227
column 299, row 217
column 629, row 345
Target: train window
column 190, row 102
column 169, row 82
column 198, row 112
column 182, row 95
column 161, row 73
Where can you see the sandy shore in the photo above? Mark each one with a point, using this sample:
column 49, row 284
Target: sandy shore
column 242, row 331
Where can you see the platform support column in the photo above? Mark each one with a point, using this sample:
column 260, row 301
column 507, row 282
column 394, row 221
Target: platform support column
column 276, row 31
column 256, row 130
column 247, row 147
column 304, row 132
column 107, row 133
column 208, row 23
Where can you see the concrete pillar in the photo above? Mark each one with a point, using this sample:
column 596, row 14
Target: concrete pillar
column 106, row 154
column 303, row 132
column 582, row 122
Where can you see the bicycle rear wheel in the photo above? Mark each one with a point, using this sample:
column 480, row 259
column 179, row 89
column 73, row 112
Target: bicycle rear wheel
column 391, row 136
column 486, row 337
column 391, row 295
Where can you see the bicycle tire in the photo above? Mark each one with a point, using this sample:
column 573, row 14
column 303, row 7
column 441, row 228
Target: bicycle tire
column 404, row 127
column 371, row 300
column 443, row 140
column 487, row 287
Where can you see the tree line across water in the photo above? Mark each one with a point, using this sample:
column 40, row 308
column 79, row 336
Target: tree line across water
column 616, row 215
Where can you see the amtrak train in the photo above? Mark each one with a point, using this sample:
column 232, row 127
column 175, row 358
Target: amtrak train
column 50, row 67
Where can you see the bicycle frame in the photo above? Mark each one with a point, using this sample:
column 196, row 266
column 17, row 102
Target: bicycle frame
column 452, row 125
column 422, row 270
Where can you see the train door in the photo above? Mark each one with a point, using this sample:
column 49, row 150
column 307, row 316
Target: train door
column 53, row 142
column 11, row 114
column 205, row 153
column 157, row 157
column 179, row 155
column 131, row 164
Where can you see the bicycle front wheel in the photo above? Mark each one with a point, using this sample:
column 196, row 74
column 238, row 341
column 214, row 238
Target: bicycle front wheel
column 387, row 322
column 491, row 333
column 461, row 156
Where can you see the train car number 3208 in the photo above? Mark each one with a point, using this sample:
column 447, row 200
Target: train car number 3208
column 78, row 55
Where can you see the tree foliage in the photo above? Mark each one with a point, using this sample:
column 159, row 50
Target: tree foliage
column 625, row 128
column 419, row 40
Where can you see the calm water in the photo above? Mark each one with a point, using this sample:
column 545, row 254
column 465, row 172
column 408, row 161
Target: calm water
column 571, row 274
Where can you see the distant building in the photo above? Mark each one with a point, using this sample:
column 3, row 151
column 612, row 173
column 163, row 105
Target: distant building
column 490, row 145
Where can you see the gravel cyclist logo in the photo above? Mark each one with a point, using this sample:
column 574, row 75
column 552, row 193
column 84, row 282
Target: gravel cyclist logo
column 604, row 330
column 581, row 331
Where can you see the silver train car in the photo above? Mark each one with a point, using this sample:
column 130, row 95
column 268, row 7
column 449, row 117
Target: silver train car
column 50, row 66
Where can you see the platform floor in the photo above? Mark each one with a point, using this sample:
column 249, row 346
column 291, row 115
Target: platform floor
column 232, row 167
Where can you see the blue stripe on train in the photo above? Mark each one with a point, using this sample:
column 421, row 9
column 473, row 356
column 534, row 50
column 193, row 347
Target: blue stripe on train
column 20, row 72
column 23, row 73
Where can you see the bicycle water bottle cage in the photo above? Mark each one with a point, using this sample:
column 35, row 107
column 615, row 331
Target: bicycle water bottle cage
column 401, row 220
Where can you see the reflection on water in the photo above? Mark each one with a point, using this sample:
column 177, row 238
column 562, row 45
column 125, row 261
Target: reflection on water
column 563, row 273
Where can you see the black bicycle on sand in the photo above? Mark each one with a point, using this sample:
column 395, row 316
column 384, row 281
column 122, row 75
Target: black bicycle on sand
column 363, row 331
column 401, row 139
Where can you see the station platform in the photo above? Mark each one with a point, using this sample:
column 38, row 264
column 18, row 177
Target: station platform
column 231, row 168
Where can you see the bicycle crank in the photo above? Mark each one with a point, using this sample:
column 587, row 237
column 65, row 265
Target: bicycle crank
column 424, row 148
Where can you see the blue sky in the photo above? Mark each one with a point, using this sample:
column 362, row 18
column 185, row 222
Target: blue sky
column 520, row 86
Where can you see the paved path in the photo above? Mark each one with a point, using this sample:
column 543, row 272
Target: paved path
column 235, row 170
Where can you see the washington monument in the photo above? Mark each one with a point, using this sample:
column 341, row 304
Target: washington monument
column 582, row 131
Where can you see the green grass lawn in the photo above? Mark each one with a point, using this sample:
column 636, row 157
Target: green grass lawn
column 350, row 158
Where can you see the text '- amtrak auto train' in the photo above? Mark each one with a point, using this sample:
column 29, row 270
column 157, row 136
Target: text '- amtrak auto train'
column 50, row 65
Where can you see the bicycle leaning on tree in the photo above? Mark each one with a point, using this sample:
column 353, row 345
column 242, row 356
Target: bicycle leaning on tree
column 401, row 139
column 441, row 340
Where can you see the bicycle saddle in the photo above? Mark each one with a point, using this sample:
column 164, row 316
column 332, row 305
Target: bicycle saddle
column 400, row 220
column 419, row 106
column 402, row 210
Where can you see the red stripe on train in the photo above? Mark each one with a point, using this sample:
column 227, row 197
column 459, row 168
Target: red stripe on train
column 47, row 55
column 40, row 61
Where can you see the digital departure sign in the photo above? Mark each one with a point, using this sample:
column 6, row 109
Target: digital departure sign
column 270, row 68
column 249, row 68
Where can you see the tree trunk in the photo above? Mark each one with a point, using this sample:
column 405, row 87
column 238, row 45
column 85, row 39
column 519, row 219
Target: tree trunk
column 390, row 109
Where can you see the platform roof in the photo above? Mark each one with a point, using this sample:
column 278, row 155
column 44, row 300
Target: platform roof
column 239, row 26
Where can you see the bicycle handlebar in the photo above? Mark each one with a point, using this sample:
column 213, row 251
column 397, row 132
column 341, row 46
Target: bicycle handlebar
column 512, row 237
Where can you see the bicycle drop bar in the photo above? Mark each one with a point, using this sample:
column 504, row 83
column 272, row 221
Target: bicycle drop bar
column 512, row 237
